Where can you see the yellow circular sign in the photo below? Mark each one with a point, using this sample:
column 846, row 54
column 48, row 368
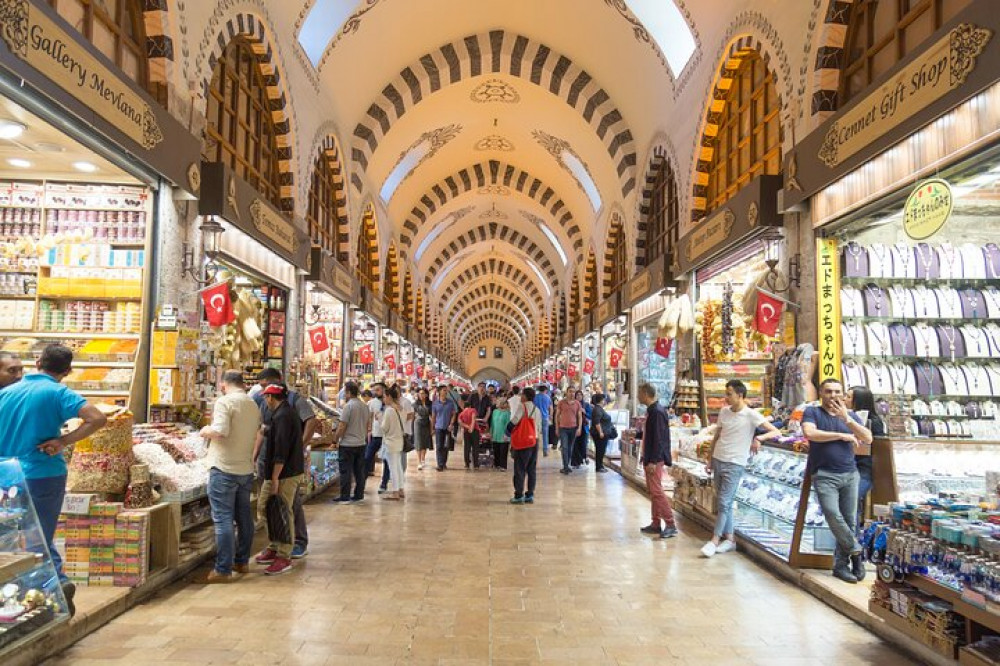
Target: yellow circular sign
column 927, row 209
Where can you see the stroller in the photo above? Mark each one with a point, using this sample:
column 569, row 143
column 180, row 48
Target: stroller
column 484, row 453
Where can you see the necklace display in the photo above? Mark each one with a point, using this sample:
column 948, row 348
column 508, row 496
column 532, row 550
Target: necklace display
column 929, row 373
column 992, row 332
column 957, row 385
column 992, row 256
column 851, row 302
column 949, row 333
column 901, row 334
column 879, row 377
column 877, row 295
column 971, row 298
column 902, row 253
column 976, row 342
column 882, row 266
column 992, row 297
column 925, row 253
column 903, row 380
column 928, row 336
column 949, row 302
column 949, row 255
column 976, row 379
column 902, row 302
column 855, row 251
column 852, row 334
column 880, row 334
column 926, row 299
column 854, row 374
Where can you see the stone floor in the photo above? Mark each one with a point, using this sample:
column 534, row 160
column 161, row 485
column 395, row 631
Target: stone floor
column 456, row 575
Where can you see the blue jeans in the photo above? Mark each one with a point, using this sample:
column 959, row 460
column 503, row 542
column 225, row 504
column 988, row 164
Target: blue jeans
column 47, row 495
column 726, row 479
column 838, row 497
column 229, row 496
column 865, row 484
column 567, row 440
column 371, row 452
column 545, row 436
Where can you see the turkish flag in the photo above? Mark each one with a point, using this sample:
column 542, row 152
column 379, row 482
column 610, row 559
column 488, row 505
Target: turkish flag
column 548, row 376
column 559, row 375
column 663, row 346
column 318, row 339
column 419, row 371
column 366, row 355
column 615, row 357
column 768, row 314
column 588, row 366
column 571, row 370
column 390, row 361
column 218, row 305
column 408, row 368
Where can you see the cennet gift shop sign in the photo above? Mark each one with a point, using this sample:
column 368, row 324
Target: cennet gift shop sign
column 38, row 40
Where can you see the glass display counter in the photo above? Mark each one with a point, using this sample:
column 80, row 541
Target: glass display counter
column 31, row 598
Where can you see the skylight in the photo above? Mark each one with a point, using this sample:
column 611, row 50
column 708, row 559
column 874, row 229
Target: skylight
column 668, row 27
column 555, row 241
column 321, row 25
column 407, row 164
column 582, row 176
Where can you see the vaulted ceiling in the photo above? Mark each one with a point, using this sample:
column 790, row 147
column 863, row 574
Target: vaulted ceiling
column 494, row 139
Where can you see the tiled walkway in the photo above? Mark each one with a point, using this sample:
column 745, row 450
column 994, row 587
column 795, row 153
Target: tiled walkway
column 456, row 575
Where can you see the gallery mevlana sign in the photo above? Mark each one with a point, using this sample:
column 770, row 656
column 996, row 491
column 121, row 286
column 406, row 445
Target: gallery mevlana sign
column 942, row 68
column 34, row 37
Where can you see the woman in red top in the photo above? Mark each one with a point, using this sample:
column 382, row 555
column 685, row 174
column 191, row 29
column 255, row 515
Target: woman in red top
column 569, row 417
column 470, row 435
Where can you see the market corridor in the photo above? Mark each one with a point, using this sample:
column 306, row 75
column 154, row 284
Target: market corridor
column 456, row 575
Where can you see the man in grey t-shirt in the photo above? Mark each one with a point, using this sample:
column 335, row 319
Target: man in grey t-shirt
column 351, row 435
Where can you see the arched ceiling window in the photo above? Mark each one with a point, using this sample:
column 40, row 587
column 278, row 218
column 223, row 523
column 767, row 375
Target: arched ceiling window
column 327, row 202
column 615, row 266
column 748, row 140
column 368, row 251
column 663, row 214
column 240, row 130
column 117, row 29
column 668, row 27
column 883, row 32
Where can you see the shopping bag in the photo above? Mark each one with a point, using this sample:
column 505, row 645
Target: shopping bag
column 276, row 512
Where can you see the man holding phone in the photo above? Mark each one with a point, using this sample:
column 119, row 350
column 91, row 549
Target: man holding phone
column 834, row 433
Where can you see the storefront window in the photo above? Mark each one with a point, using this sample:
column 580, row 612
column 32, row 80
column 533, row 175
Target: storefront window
column 656, row 364
column 240, row 130
column 883, row 32
column 748, row 142
column 327, row 199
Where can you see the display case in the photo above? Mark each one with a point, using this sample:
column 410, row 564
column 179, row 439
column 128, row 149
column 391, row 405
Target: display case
column 655, row 365
column 31, row 598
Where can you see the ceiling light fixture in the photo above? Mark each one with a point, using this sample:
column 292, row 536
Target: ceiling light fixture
column 85, row 167
column 11, row 129
column 19, row 163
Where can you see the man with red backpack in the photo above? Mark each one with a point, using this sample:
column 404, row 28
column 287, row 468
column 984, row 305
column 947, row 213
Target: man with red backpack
column 526, row 421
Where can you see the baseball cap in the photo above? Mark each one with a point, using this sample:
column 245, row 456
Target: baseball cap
column 277, row 390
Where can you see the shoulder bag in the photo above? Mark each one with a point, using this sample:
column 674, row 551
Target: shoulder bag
column 407, row 439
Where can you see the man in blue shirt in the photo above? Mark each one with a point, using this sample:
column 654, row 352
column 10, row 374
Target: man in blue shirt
column 11, row 369
column 544, row 404
column 444, row 411
column 32, row 413
column 834, row 433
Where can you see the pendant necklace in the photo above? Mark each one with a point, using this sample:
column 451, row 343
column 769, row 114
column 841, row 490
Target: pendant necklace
column 949, row 334
column 948, row 254
column 921, row 295
column 925, row 331
column 899, row 373
column 855, row 251
column 992, row 253
column 881, row 374
column 974, row 335
column 927, row 260
column 992, row 297
column 904, row 342
column 875, row 292
column 972, row 375
column 993, row 338
column 851, row 332
column 883, row 256
column 927, row 370
column 903, row 251
column 900, row 296
column 880, row 337
column 954, row 373
column 971, row 297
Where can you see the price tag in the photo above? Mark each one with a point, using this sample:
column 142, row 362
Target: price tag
column 76, row 504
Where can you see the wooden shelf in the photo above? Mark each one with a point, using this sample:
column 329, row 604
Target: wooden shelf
column 969, row 657
column 983, row 616
column 53, row 297
column 18, row 297
column 124, row 393
column 903, row 626
column 69, row 336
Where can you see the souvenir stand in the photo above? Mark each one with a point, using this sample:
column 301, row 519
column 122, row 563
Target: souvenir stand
column 366, row 339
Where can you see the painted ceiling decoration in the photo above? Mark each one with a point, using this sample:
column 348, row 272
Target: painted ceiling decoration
column 492, row 172
column 498, row 52
column 495, row 90
column 571, row 162
column 493, row 214
column 494, row 190
column 419, row 152
column 491, row 310
column 495, row 142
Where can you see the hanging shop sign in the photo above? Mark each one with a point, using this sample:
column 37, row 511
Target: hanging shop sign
column 329, row 273
column 375, row 306
column 956, row 65
column 228, row 196
column 607, row 310
column 46, row 54
column 751, row 209
column 649, row 281
column 828, row 301
column 392, row 321
column 318, row 339
column 582, row 326
column 927, row 209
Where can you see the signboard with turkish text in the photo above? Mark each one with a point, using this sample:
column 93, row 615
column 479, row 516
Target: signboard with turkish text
column 650, row 280
column 828, row 304
column 328, row 272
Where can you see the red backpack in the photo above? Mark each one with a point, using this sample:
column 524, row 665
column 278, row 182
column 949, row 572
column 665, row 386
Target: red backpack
column 524, row 436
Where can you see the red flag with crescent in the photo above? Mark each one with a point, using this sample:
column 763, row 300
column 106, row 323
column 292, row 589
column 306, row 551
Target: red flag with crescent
column 218, row 305
column 408, row 368
column 366, row 355
column 663, row 346
column 615, row 358
column 559, row 375
column 571, row 370
column 588, row 366
column 390, row 361
column 768, row 315
column 318, row 339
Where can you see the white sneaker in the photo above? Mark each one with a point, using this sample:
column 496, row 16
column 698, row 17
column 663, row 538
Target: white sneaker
column 420, row 466
column 709, row 549
column 726, row 546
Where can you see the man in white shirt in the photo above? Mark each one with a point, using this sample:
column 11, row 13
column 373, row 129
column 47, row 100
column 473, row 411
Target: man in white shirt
column 233, row 432
column 734, row 440
column 377, row 407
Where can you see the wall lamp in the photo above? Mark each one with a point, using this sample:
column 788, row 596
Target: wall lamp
column 211, row 236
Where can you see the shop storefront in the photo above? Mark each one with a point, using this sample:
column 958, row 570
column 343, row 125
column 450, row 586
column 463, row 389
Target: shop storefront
column 331, row 291
column 908, row 301
column 365, row 346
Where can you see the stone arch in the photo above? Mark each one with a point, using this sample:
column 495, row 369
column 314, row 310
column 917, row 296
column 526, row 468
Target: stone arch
column 498, row 52
column 736, row 51
column 830, row 58
column 494, row 232
column 490, row 308
column 390, row 276
column 261, row 38
column 490, row 288
column 492, row 172
column 475, row 302
column 590, row 282
column 491, row 332
column 326, row 146
column 661, row 151
column 367, row 250
column 487, row 321
column 615, row 239
column 496, row 269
